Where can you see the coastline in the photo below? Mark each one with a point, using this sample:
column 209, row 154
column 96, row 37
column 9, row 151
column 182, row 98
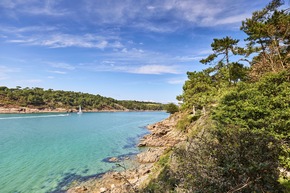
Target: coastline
column 161, row 139
column 28, row 110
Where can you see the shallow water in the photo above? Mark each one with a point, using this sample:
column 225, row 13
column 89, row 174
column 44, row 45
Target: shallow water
column 46, row 152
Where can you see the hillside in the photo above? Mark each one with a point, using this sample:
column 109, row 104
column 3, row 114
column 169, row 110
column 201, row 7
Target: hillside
column 50, row 100
column 235, row 115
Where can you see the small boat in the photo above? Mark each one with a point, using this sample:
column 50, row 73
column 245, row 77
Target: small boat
column 80, row 110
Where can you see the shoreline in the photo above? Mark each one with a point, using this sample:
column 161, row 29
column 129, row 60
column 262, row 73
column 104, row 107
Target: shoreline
column 162, row 138
column 28, row 110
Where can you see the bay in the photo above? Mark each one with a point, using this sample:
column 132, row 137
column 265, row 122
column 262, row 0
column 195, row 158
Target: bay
column 46, row 152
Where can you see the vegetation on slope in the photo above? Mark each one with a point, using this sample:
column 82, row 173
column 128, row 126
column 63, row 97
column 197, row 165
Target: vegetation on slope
column 236, row 115
column 40, row 98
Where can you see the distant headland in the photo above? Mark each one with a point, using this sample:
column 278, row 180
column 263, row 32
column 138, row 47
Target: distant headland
column 39, row 100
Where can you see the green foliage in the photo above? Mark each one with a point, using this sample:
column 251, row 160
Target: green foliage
column 224, row 69
column 221, row 47
column 165, row 182
column 264, row 105
column 268, row 37
column 238, row 72
column 286, row 183
column 171, row 108
column 40, row 98
column 230, row 160
column 198, row 90
column 247, row 143
column 184, row 122
column 165, row 159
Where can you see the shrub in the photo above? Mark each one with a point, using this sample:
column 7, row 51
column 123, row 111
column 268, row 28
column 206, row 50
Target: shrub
column 171, row 108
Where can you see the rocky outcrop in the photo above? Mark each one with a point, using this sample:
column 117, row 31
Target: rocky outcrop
column 151, row 155
column 162, row 137
column 162, row 134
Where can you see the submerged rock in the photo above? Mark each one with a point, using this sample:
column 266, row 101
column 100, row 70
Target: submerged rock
column 113, row 159
column 163, row 136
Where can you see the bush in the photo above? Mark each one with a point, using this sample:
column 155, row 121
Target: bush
column 230, row 160
column 263, row 106
column 171, row 108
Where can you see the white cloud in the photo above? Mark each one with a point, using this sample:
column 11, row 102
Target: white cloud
column 114, row 66
column 155, row 69
column 39, row 37
column 188, row 58
column 67, row 40
column 14, row 3
column 170, row 15
column 157, row 16
column 156, row 27
column 232, row 19
column 61, row 65
column 35, row 7
column 58, row 72
column 27, row 29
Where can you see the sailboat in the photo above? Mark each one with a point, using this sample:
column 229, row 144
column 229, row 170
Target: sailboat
column 80, row 110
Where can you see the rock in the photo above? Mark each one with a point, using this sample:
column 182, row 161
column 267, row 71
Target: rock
column 113, row 159
column 78, row 189
column 147, row 171
column 142, row 144
column 117, row 176
column 151, row 155
column 162, row 136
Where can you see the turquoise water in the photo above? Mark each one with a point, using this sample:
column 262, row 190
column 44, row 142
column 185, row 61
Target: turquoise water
column 46, row 152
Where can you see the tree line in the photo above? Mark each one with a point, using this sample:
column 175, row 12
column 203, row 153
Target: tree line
column 40, row 98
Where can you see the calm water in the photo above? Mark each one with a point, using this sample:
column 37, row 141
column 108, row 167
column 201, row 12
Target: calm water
column 45, row 152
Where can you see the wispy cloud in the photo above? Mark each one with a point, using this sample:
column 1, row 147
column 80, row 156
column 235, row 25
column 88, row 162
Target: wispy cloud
column 155, row 69
column 188, row 58
column 5, row 71
column 57, row 72
column 52, row 37
column 27, row 29
column 60, row 40
column 168, row 16
column 60, row 65
column 152, row 69
column 67, row 40
column 156, row 16
column 35, row 7
column 232, row 19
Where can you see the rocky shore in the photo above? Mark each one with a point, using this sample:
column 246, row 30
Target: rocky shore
column 163, row 137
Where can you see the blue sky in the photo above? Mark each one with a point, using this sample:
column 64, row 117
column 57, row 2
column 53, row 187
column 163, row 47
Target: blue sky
column 129, row 49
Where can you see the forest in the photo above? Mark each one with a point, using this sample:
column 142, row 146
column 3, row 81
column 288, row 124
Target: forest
column 236, row 114
column 40, row 99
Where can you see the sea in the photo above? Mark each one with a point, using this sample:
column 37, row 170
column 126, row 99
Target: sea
column 46, row 153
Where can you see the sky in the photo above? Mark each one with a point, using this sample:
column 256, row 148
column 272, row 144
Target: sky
column 124, row 49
